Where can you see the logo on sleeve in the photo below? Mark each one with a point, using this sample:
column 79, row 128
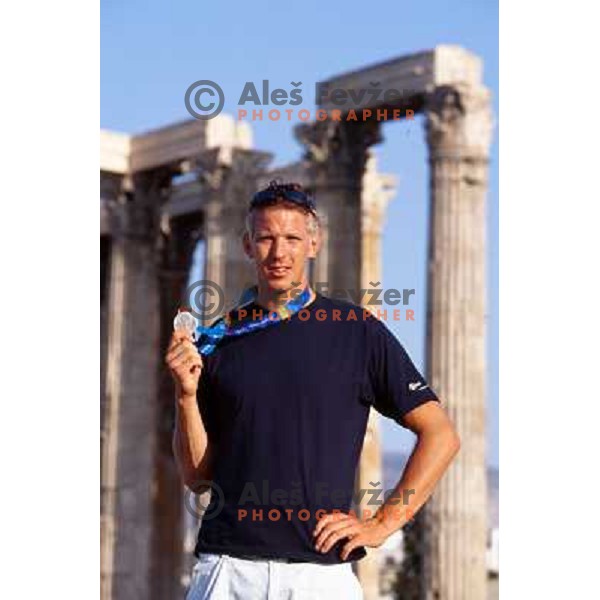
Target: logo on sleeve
column 417, row 386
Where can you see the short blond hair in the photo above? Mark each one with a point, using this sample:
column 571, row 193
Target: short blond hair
column 312, row 226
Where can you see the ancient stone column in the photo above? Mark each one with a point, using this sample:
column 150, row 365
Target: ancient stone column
column 377, row 191
column 337, row 154
column 211, row 170
column 459, row 126
column 179, row 236
column 247, row 167
column 229, row 181
column 128, row 448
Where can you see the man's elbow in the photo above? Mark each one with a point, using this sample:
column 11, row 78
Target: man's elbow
column 453, row 441
column 198, row 480
column 195, row 478
column 199, row 485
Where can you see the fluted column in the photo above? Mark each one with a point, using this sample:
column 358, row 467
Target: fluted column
column 337, row 155
column 229, row 181
column 211, row 170
column 179, row 237
column 128, row 449
column 459, row 125
column 377, row 191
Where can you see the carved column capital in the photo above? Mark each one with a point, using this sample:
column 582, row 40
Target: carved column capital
column 337, row 150
column 217, row 171
column 228, row 180
column 247, row 166
column 210, row 167
column 459, row 123
column 145, row 192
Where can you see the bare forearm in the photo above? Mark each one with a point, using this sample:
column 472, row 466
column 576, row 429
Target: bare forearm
column 190, row 443
column 429, row 460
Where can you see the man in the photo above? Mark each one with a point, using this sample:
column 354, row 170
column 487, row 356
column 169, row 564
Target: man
column 274, row 415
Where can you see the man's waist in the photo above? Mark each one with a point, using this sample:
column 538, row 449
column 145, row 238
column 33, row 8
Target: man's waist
column 272, row 552
column 255, row 557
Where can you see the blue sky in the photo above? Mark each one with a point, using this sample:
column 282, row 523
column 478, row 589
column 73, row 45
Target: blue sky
column 152, row 51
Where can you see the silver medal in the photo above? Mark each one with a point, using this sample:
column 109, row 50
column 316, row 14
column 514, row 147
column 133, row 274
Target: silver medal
column 186, row 321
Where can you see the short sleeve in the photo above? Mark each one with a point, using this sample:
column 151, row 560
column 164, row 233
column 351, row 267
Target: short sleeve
column 393, row 385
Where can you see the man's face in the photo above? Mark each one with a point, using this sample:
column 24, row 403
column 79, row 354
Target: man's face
column 280, row 246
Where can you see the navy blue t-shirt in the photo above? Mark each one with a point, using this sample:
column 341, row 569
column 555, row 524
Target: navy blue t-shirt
column 286, row 409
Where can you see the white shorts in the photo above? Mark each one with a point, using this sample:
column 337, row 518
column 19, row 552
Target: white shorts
column 224, row 577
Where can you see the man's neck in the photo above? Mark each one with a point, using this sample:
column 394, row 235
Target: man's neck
column 270, row 301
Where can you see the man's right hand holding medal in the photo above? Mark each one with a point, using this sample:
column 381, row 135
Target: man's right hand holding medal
column 184, row 362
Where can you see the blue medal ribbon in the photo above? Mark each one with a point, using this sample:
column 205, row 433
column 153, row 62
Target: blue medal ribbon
column 207, row 338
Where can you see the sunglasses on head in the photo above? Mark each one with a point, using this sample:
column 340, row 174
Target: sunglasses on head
column 266, row 197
